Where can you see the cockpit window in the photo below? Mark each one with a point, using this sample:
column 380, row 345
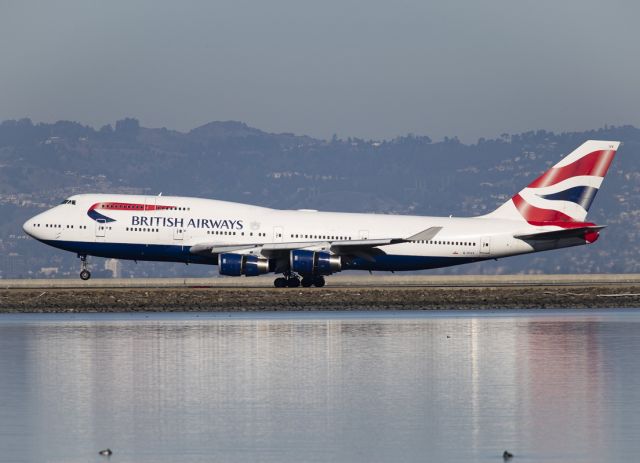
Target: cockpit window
column 69, row 201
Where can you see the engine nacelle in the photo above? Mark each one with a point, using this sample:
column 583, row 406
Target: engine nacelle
column 314, row 263
column 254, row 266
column 239, row 264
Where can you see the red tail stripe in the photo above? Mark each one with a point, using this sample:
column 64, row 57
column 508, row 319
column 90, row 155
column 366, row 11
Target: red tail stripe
column 534, row 214
column 595, row 163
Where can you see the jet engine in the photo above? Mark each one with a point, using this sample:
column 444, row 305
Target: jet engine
column 314, row 263
column 239, row 264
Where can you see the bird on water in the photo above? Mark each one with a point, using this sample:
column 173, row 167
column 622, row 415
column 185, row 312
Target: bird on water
column 105, row 452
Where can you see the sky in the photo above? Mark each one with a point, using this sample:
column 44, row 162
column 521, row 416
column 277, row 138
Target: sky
column 372, row 69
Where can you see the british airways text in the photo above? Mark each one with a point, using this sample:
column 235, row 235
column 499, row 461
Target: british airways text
column 226, row 224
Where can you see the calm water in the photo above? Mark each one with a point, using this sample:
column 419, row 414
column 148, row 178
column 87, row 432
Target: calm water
column 463, row 386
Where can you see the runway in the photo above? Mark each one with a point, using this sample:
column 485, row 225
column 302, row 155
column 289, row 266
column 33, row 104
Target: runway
column 341, row 293
column 338, row 281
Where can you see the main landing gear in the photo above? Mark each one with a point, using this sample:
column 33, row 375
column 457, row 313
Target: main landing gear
column 283, row 282
column 316, row 280
column 85, row 274
column 291, row 280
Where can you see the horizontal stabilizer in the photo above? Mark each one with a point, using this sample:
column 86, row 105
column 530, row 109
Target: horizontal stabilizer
column 559, row 234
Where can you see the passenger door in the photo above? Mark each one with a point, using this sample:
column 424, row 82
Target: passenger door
column 101, row 229
column 278, row 232
column 485, row 245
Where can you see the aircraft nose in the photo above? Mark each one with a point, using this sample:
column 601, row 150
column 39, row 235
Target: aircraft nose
column 28, row 227
column 34, row 226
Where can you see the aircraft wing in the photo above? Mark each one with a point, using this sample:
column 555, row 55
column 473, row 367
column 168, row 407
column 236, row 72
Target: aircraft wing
column 217, row 248
column 271, row 249
column 338, row 247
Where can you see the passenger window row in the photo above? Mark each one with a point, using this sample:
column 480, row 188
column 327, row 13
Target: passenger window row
column 141, row 207
column 449, row 243
column 142, row 229
column 224, row 232
column 57, row 225
column 221, row 232
column 320, row 237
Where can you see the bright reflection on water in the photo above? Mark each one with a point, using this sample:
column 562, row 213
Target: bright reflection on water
column 463, row 386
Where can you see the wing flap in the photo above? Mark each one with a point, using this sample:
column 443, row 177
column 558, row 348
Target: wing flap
column 216, row 248
column 365, row 243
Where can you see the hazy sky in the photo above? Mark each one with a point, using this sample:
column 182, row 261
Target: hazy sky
column 372, row 69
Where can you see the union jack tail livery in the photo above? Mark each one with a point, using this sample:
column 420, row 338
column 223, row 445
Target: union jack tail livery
column 563, row 194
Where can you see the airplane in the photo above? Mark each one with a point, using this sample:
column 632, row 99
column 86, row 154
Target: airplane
column 306, row 245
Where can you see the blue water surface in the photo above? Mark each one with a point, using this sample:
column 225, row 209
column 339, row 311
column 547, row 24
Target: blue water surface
column 552, row 386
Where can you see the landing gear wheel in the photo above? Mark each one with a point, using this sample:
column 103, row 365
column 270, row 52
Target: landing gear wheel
column 280, row 283
column 85, row 274
column 293, row 282
column 318, row 282
column 307, row 282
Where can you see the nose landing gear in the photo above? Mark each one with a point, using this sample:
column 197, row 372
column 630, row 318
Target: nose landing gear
column 85, row 274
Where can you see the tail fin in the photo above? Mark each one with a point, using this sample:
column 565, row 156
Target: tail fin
column 565, row 192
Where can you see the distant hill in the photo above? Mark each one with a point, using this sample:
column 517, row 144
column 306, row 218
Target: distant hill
column 40, row 164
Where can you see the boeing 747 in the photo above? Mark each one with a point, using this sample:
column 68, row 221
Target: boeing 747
column 305, row 245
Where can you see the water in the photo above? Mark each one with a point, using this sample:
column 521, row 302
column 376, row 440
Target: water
column 419, row 386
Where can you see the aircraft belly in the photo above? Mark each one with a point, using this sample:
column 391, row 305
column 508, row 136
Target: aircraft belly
column 134, row 251
column 400, row 263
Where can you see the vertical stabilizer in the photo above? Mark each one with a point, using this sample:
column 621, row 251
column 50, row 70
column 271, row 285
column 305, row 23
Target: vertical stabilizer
column 565, row 192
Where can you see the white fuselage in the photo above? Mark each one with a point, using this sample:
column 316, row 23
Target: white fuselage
column 164, row 228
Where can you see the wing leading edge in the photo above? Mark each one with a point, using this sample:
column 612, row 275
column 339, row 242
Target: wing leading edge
column 337, row 247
